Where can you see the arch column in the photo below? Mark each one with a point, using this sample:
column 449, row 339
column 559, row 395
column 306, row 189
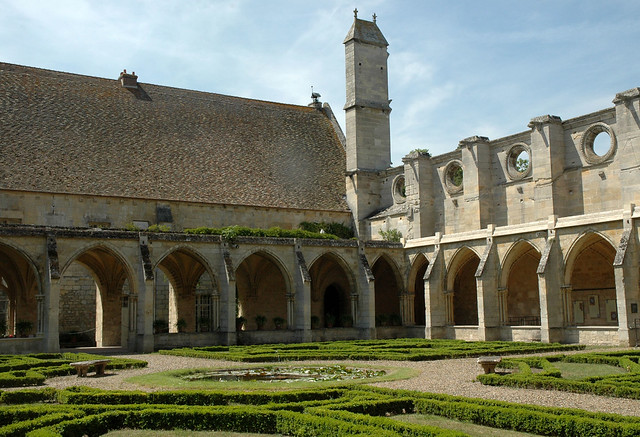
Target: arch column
column 299, row 308
column 553, row 302
column 438, row 303
column 227, row 296
column 487, row 286
column 502, row 305
column 51, row 297
column 407, row 306
column 625, row 269
column 144, row 302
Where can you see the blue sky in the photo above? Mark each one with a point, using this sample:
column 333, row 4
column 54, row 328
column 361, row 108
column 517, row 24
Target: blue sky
column 456, row 68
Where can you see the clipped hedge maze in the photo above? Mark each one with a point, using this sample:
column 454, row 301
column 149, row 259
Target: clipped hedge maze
column 33, row 369
column 344, row 411
column 404, row 349
column 626, row 385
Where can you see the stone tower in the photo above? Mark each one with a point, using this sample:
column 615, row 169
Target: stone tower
column 367, row 117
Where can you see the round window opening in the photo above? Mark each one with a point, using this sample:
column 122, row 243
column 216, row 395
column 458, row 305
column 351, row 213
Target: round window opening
column 519, row 161
column 453, row 177
column 601, row 144
column 598, row 143
column 399, row 189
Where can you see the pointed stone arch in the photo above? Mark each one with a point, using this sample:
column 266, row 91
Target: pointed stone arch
column 21, row 296
column 96, row 284
column 186, row 292
column 589, row 275
column 263, row 289
column 333, row 292
column 462, row 288
column 519, row 283
column 416, row 287
column 388, row 291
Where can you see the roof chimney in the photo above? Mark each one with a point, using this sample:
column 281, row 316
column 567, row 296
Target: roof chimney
column 128, row 80
column 316, row 103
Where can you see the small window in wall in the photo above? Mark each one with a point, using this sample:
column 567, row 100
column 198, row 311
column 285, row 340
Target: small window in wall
column 399, row 189
column 453, row 177
column 518, row 161
column 598, row 143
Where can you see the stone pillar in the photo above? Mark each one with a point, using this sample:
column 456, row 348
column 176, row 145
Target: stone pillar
column 144, row 304
column 366, row 311
column 625, row 268
column 52, row 297
column 552, row 301
column 227, row 296
column 547, row 160
column 567, row 305
column 438, row 304
column 418, row 174
column 408, row 318
column 302, row 305
column 487, row 287
column 627, row 105
column 477, row 182
column 502, row 305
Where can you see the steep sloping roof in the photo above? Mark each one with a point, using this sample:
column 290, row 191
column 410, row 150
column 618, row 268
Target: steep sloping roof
column 67, row 133
column 367, row 32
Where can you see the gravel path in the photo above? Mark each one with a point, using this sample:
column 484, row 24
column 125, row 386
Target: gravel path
column 455, row 377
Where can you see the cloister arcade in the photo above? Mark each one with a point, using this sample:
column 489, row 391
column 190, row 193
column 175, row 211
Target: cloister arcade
column 118, row 290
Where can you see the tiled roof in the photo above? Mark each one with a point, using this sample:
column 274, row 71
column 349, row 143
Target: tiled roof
column 66, row 133
column 367, row 32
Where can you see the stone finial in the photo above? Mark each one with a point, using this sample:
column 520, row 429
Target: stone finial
column 544, row 119
column 374, row 17
column 627, row 95
column 355, row 13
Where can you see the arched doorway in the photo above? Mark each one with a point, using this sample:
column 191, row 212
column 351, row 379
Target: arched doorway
column 330, row 293
column 593, row 287
column 416, row 287
column 186, row 295
column 95, row 300
column 21, row 305
column 263, row 296
column 523, row 297
column 465, row 296
column 387, row 291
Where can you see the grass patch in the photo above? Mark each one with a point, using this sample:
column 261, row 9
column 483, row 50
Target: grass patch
column 455, row 425
column 584, row 370
column 175, row 379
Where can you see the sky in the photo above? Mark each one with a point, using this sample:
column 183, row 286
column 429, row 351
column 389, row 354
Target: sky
column 456, row 68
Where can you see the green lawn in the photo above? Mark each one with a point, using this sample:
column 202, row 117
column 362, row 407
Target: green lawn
column 584, row 370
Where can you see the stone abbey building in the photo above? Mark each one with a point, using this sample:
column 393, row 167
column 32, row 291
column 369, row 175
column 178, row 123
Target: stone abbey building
column 529, row 237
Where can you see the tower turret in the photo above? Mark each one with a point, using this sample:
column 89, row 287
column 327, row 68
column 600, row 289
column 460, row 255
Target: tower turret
column 367, row 118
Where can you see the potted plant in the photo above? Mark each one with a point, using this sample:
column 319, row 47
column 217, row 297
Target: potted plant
column 315, row 322
column 329, row 320
column 240, row 322
column 160, row 326
column 24, row 328
column 260, row 321
column 346, row 321
column 278, row 322
column 181, row 324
